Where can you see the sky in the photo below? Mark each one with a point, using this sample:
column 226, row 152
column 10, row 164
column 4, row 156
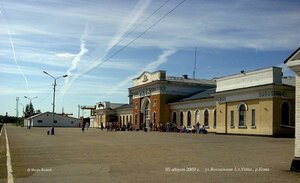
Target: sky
column 103, row 44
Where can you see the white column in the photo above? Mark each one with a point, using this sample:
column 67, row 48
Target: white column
column 295, row 66
column 297, row 121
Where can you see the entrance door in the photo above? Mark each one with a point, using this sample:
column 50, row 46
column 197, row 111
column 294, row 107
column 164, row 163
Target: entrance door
column 147, row 115
column 141, row 121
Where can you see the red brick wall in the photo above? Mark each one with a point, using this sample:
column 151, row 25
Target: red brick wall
column 136, row 110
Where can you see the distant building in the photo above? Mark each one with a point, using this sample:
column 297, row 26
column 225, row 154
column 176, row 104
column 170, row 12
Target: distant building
column 46, row 120
column 112, row 112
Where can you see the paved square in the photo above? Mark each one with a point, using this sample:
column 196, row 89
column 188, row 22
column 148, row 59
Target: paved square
column 100, row 156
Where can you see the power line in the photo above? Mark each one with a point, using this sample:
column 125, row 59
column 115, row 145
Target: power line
column 127, row 34
column 140, row 35
column 130, row 32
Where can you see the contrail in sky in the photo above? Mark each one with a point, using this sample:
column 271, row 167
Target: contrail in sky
column 14, row 53
column 127, row 24
column 75, row 61
column 163, row 58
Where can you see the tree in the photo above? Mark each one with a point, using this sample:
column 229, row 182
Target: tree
column 29, row 110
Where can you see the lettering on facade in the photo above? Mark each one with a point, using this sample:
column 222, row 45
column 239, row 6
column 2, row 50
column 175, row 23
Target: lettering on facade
column 271, row 94
column 148, row 91
column 221, row 99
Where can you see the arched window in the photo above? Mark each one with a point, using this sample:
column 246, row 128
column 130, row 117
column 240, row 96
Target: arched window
column 215, row 118
column 197, row 118
column 206, row 117
column 242, row 115
column 135, row 119
column 285, row 114
column 174, row 120
column 154, row 117
column 147, row 112
column 189, row 116
column 181, row 118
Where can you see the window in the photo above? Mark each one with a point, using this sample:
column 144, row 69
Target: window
column 135, row 119
column 197, row 119
column 242, row 115
column 252, row 117
column 40, row 121
column 181, row 118
column 154, row 103
column 136, row 105
column 232, row 119
column 215, row 118
column 147, row 111
column 189, row 116
column 206, row 115
column 285, row 114
column 154, row 117
column 55, row 121
column 174, row 117
column 71, row 122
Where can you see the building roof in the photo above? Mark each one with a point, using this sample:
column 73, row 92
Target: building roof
column 190, row 80
column 200, row 95
column 34, row 116
column 150, row 77
column 292, row 55
column 116, row 105
column 125, row 106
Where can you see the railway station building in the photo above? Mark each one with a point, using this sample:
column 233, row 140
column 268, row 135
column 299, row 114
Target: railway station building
column 259, row 102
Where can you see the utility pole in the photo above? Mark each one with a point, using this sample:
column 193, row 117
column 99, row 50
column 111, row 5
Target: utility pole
column 53, row 103
column 78, row 111
column 17, row 107
column 194, row 71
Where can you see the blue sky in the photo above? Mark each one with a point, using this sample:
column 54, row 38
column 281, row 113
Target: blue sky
column 75, row 37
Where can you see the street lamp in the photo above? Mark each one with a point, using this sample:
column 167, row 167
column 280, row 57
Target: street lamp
column 30, row 99
column 23, row 108
column 53, row 109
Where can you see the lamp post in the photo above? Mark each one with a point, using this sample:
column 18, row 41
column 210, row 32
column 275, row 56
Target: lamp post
column 30, row 99
column 23, row 109
column 53, row 103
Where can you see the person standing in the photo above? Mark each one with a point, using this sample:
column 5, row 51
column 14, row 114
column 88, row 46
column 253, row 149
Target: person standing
column 83, row 125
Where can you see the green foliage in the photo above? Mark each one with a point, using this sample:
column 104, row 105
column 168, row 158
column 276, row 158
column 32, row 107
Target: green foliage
column 20, row 122
column 29, row 110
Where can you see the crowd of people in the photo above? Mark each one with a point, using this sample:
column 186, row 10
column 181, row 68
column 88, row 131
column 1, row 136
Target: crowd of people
column 167, row 127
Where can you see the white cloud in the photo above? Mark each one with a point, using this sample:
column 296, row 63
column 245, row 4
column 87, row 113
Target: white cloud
column 66, row 55
column 152, row 66
column 129, row 21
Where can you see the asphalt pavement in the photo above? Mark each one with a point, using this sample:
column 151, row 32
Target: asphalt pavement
column 101, row 156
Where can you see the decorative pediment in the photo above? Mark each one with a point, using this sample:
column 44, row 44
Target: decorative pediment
column 147, row 77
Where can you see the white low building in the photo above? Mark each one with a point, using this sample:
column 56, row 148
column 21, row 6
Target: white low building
column 46, row 120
